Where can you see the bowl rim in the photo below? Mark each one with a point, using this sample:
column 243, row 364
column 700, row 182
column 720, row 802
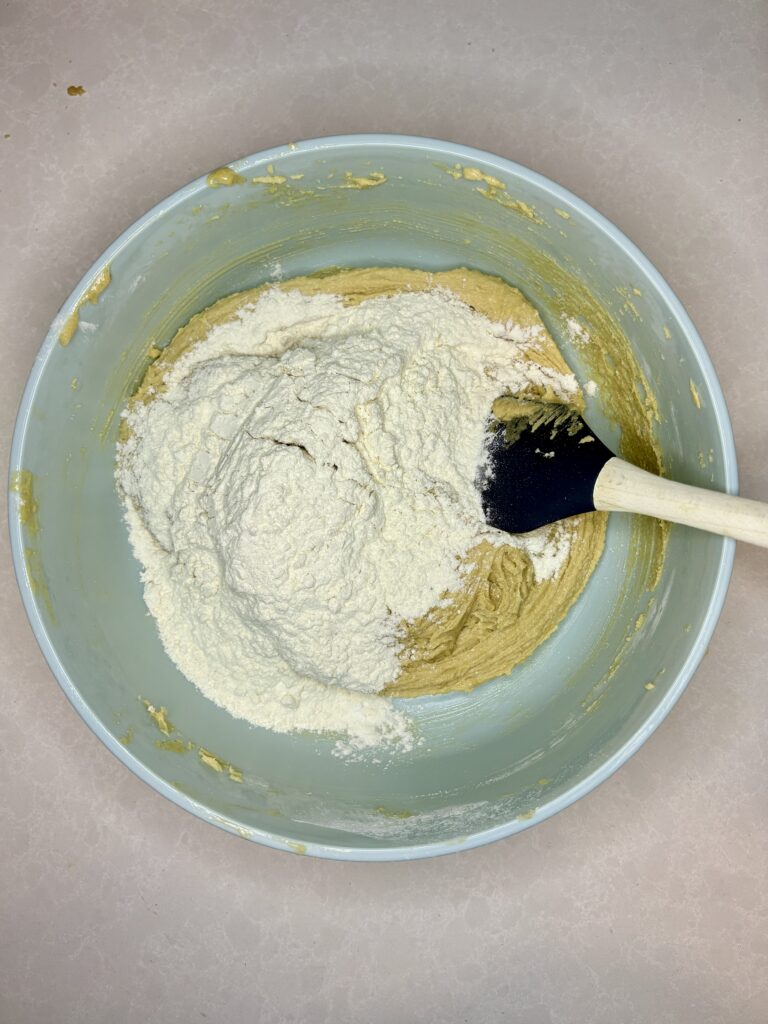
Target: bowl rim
column 453, row 152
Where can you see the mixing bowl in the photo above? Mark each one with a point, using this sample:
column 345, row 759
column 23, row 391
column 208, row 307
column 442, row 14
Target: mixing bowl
column 491, row 762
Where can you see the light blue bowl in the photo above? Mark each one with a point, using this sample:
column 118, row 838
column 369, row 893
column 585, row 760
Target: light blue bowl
column 493, row 762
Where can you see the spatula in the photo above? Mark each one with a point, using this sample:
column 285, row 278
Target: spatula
column 544, row 464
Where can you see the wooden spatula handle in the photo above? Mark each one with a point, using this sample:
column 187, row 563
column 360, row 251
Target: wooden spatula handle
column 622, row 487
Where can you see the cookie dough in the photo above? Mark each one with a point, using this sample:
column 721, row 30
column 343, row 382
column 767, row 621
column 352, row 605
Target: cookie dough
column 502, row 614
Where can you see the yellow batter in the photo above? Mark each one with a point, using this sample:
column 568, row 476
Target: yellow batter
column 502, row 614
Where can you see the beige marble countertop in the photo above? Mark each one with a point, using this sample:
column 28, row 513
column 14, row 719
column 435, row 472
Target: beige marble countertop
column 645, row 902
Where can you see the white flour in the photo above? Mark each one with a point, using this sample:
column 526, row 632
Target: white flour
column 577, row 333
column 305, row 484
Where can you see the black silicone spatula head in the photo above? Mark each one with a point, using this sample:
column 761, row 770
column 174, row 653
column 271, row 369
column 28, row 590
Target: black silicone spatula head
column 542, row 461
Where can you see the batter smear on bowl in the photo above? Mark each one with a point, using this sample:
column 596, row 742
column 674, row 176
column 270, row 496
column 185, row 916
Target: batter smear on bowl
column 299, row 470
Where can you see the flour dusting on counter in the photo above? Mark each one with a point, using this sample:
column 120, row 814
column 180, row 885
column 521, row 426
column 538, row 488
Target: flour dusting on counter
column 303, row 486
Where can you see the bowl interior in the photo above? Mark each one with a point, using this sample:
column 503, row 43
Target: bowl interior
column 491, row 762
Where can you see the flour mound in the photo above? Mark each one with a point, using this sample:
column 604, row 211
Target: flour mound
column 305, row 485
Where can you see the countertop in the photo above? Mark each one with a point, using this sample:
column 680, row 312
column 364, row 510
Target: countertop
column 645, row 902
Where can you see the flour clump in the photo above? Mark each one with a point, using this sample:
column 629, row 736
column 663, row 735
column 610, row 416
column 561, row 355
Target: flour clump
column 303, row 485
